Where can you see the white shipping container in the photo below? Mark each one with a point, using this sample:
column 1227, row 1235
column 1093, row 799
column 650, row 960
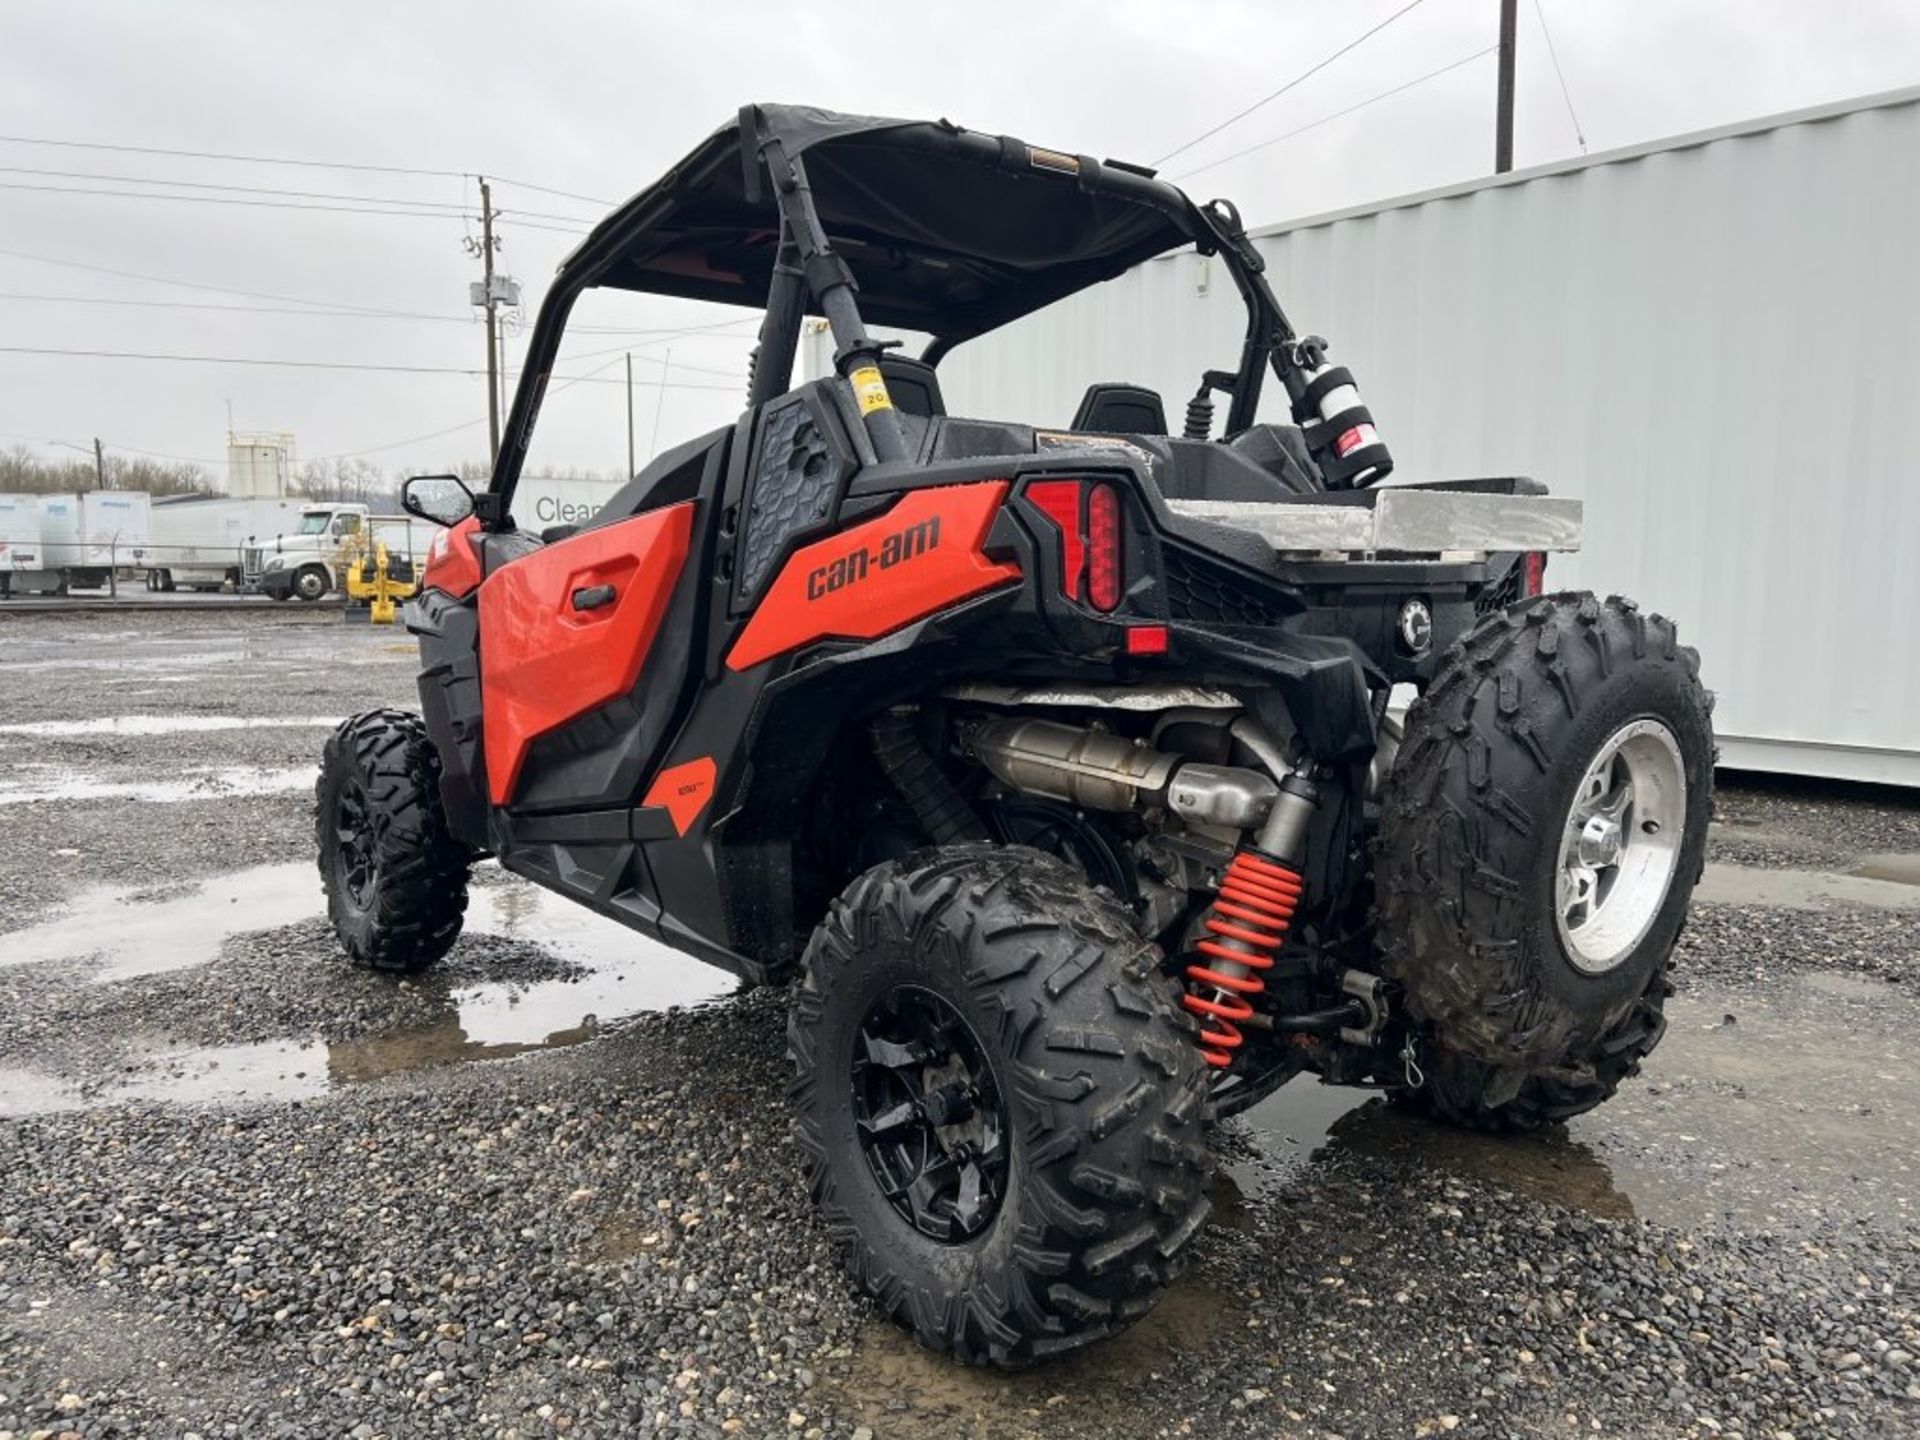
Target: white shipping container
column 1708, row 339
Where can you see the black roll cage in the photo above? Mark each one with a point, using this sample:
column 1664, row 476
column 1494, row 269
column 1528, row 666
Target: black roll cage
column 810, row 276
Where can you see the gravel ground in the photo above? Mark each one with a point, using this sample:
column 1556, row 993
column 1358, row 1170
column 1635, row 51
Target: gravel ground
column 606, row 1235
column 1764, row 820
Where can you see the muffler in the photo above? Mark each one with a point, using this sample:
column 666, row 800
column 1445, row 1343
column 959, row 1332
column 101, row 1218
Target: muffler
column 1102, row 771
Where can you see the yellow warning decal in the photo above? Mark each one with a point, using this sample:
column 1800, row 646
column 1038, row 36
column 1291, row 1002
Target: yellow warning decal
column 870, row 390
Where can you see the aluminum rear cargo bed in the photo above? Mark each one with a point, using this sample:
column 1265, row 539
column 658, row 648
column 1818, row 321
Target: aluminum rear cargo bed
column 1401, row 520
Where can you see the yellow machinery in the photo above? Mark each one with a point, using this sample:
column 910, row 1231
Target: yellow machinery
column 376, row 586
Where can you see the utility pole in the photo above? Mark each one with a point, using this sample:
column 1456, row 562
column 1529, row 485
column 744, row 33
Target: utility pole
column 1503, row 111
column 631, row 472
column 99, row 464
column 493, row 334
column 660, row 400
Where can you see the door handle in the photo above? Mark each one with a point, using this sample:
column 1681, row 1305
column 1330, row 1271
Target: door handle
column 592, row 597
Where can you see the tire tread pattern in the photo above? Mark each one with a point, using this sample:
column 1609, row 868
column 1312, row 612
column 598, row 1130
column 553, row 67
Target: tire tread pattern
column 1452, row 899
column 420, row 894
column 1105, row 1087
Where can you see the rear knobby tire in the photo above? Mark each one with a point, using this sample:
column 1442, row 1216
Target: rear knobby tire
column 395, row 879
column 1097, row 1070
column 1515, row 1032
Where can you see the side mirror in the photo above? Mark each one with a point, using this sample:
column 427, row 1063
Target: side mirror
column 443, row 499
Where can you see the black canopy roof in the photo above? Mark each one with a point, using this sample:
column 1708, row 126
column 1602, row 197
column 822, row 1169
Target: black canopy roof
column 946, row 230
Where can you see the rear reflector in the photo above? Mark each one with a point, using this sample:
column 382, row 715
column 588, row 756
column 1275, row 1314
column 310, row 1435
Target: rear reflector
column 1059, row 501
column 1146, row 640
column 1536, row 573
column 1103, row 547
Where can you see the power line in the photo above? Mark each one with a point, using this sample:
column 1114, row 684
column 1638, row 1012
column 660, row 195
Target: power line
column 444, row 207
column 662, row 333
column 454, row 429
column 340, row 305
column 283, row 160
column 279, row 363
column 549, row 190
column 112, row 445
column 232, row 309
column 241, row 189
column 399, row 444
column 590, row 376
column 1338, row 114
column 1304, row 75
column 217, row 155
column 1565, row 94
column 227, row 200
column 622, row 349
column 539, row 225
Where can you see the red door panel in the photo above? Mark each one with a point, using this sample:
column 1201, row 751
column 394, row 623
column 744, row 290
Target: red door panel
column 923, row 555
column 543, row 661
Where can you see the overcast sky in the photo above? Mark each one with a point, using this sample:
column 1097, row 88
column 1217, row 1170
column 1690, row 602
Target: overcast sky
column 597, row 99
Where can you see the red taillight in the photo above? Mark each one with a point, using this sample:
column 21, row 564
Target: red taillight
column 1536, row 573
column 1059, row 501
column 1103, row 547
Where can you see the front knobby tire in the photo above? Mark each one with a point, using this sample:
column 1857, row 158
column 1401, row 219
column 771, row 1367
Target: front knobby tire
column 1524, row 1020
column 395, row 879
column 1093, row 1149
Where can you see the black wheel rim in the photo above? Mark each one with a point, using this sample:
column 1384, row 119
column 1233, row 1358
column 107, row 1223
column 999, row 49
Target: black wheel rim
column 929, row 1115
column 354, row 828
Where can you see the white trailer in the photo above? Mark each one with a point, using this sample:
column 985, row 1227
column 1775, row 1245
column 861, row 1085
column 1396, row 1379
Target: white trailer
column 199, row 540
column 20, row 553
column 539, row 504
column 83, row 540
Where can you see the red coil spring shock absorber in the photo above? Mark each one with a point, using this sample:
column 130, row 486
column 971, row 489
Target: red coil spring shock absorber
column 1247, row 923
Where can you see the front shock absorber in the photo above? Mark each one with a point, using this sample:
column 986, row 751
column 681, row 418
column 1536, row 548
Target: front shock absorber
column 1248, row 921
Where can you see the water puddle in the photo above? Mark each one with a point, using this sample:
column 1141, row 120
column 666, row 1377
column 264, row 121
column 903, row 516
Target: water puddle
column 1900, row 869
column 168, row 724
column 128, row 932
column 1874, row 882
column 276, row 1071
column 44, row 784
column 1776, row 1113
column 897, row 1388
column 616, row 973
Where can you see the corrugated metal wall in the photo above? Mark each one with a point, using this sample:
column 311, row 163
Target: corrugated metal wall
column 1714, row 341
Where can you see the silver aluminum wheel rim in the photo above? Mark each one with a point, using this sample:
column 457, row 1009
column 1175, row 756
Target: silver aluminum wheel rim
column 1620, row 846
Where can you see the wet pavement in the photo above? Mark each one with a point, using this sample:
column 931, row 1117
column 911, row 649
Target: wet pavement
column 112, row 935
column 158, row 877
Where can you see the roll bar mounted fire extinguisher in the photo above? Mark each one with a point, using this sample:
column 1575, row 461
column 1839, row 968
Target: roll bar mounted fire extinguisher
column 1336, row 425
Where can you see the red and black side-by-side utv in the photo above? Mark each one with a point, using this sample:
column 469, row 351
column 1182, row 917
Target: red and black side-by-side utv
column 1055, row 769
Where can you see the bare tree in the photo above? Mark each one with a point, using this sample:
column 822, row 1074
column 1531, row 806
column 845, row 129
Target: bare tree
column 23, row 472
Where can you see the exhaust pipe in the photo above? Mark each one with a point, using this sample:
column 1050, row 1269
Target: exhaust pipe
column 1100, row 771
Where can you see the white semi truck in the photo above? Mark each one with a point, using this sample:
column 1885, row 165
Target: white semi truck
column 199, row 540
column 309, row 561
column 76, row 542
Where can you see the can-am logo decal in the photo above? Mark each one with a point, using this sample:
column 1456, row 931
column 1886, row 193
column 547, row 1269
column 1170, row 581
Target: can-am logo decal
column 858, row 584
column 884, row 554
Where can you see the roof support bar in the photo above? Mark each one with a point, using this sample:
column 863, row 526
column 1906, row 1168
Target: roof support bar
column 780, row 327
column 856, row 354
